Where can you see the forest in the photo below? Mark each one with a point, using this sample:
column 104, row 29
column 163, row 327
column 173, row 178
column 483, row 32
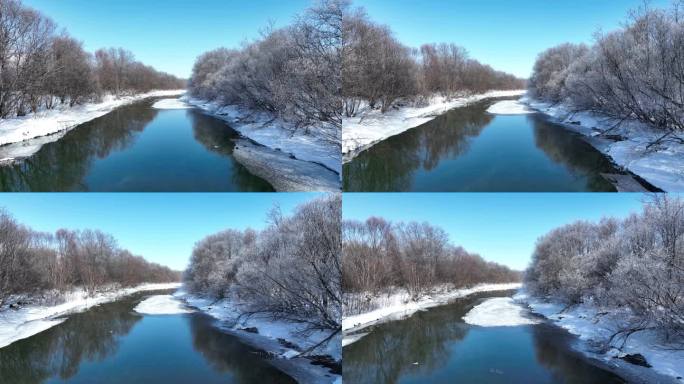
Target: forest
column 379, row 71
column 35, row 263
column 634, row 73
column 635, row 263
column 289, row 271
column 42, row 68
column 380, row 255
column 292, row 72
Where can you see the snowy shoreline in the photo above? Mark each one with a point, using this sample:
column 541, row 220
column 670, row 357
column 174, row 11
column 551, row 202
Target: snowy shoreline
column 279, row 339
column 301, row 153
column 399, row 306
column 626, row 145
column 21, row 137
column 370, row 126
column 594, row 326
column 32, row 319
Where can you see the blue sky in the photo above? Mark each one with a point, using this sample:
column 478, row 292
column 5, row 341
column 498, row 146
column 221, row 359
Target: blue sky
column 501, row 227
column 161, row 227
column 506, row 34
column 167, row 34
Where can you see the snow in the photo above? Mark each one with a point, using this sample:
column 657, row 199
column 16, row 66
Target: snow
column 276, row 134
column 399, row 306
column 509, row 107
column 370, row 126
column 283, row 172
column 59, row 120
column 171, row 104
column 498, row 312
column 161, row 305
column 30, row 320
column 227, row 312
column 594, row 326
column 662, row 166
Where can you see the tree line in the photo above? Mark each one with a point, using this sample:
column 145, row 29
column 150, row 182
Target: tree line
column 291, row 72
column 379, row 70
column 289, row 271
column 634, row 73
column 380, row 255
column 41, row 68
column 635, row 263
column 33, row 263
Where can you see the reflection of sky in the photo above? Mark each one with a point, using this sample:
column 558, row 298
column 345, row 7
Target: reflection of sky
column 502, row 227
column 161, row 227
column 508, row 35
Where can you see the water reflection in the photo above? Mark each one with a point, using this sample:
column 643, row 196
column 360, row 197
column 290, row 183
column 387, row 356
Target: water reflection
column 436, row 346
column 137, row 148
column 469, row 149
column 58, row 352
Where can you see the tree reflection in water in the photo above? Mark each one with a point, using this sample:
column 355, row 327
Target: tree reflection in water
column 226, row 353
column 59, row 351
column 390, row 165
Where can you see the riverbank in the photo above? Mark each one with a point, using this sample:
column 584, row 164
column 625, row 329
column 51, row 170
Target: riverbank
column 21, row 137
column 280, row 339
column 399, row 305
column 27, row 320
column 370, row 126
column 628, row 145
column 594, row 326
column 284, row 140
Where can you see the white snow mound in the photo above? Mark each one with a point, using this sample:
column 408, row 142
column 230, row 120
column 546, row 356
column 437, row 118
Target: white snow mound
column 171, row 104
column 509, row 107
column 161, row 305
column 498, row 312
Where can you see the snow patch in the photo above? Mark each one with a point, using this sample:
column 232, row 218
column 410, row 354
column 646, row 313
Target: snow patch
column 59, row 120
column 30, row 320
column 370, row 126
column 509, row 107
column 161, row 305
column 171, row 104
column 498, row 312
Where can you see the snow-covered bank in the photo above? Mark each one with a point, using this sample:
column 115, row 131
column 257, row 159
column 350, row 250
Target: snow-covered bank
column 276, row 134
column 399, row 305
column 370, row 126
column 280, row 339
column 594, row 326
column 161, row 305
column 283, row 172
column 17, row 324
column 627, row 145
column 23, row 136
column 498, row 312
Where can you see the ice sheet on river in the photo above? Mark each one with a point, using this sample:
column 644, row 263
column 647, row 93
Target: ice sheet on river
column 499, row 312
column 284, row 172
column 509, row 107
column 171, row 104
column 161, row 305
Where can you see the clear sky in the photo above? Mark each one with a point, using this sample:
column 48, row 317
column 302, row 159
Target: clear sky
column 506, row 34
column 501, row 227
column 160, row 227
column 167, row 34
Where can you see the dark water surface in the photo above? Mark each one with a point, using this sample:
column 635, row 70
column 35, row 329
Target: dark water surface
column 137, row 148
column 111, row 343
column 436, row 346
column 471, row 150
